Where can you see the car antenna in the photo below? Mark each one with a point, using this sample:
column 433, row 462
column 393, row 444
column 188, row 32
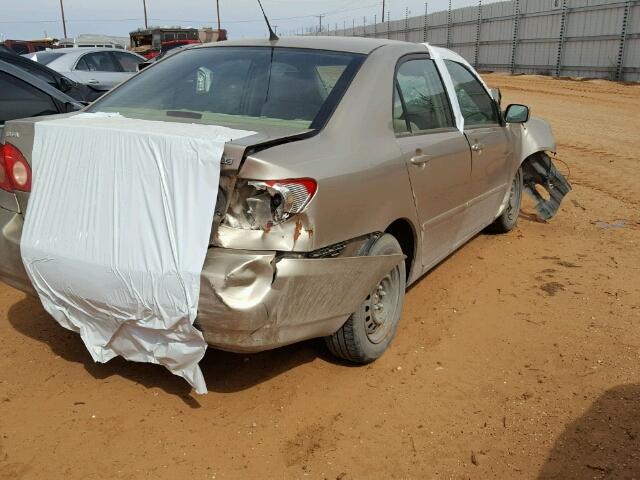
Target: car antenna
column 272, row 34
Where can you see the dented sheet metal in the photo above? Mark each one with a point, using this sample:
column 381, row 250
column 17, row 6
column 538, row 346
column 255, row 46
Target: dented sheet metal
column 540, row 170
column 251, row 302
column 117, row 230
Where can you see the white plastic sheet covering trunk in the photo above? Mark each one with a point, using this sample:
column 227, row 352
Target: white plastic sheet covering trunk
column 117, row 230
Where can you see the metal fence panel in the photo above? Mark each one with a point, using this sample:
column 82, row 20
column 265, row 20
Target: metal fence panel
column 588, row 38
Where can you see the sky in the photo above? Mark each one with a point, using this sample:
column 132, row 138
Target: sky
column 31, row 19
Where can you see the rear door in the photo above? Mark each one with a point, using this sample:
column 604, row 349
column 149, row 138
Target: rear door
column 436, row 153
column 100, row 70
column 490, row 146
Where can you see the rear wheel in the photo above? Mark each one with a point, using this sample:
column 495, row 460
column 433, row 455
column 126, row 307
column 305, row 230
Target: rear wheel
column 508, row 219
column 368, row 332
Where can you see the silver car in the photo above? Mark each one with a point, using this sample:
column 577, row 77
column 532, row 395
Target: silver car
column 101, row 68
column 372, row 162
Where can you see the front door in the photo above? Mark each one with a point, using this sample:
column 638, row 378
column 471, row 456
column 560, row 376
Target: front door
column 437, row 155
column 100, row 70
column 490, row 147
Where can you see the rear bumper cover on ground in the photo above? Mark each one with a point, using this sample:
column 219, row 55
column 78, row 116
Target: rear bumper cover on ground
column 251, row 301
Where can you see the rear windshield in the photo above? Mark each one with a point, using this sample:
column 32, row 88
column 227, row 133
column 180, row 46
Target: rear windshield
column 46, row 58
column 238, row 86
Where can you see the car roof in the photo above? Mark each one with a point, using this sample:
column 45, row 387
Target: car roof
column 68, row 56
column 35, row 82
column 339, row 44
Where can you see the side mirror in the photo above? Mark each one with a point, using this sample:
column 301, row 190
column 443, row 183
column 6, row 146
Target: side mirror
column 143, row 65
column 517, row 114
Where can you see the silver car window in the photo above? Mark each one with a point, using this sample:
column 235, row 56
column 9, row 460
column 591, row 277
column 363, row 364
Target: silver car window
column 98, row 62
column 128, row 62
column 476, row 105
column 426, row 105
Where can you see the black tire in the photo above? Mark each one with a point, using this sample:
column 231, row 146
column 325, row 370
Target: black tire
column 366, row 335
column 508, row 219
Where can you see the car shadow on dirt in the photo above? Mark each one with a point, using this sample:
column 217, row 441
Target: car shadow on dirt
column 602, row 443
column 224, row 372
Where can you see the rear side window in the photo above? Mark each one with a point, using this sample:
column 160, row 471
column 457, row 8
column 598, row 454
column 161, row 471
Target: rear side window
column 18, row 99
column 476, row 105
column 422, row 96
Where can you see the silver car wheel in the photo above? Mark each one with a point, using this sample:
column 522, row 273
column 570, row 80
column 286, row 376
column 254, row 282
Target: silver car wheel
column 368, row 332
column 381, row 307
column 515, row 197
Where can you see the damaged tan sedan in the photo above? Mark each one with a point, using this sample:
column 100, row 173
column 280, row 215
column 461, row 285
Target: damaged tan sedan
column 369, row 162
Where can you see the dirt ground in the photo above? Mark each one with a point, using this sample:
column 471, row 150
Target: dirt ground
column 519, row 357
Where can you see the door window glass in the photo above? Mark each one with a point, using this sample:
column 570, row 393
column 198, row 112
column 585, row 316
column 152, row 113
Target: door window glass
column 425, row 100
column 18, row 99
column 128, row 62
column 98, row 62
column 476, row 105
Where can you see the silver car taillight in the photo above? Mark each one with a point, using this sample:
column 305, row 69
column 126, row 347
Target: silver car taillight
column 261, row 204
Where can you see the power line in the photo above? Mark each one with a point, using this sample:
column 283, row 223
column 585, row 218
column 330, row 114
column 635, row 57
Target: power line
column 107, row 20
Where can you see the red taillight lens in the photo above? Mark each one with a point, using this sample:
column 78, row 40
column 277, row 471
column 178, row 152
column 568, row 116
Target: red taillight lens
column 15, row 170
column 5, row 183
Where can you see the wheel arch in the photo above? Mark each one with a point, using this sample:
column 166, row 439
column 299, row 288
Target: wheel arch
column 404, row 232
column 536, row 137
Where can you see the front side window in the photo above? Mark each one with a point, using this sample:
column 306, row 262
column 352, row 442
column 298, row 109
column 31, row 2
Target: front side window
column 425, row 101
column 18, row 99
column 97, row 62
column 476, row 105
column 238, row 86
column 128, row 62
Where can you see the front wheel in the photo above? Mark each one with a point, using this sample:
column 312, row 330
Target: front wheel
column 368, row 332
column 508, row 219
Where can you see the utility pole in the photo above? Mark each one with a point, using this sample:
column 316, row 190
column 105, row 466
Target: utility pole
column 64, row 23
column 320, row 17
column 383, row 11
column 218, row 14
column 144, row 6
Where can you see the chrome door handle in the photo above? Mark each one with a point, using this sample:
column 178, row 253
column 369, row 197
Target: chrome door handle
column 477, row 147
column 420, row 159
column 93, row 81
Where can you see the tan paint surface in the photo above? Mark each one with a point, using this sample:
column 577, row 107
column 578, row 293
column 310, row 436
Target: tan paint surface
column 507, row 350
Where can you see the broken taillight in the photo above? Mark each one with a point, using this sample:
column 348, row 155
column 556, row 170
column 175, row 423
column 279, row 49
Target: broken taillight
column 15, row 172
column 261, row 204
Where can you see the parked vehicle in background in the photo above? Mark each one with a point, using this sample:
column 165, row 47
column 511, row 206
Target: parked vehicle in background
column 100, row 68
column 22, row 47
column 337, row 202
column 88, row 40
column 78, row 91
column 25, row 95
column 152, row 41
